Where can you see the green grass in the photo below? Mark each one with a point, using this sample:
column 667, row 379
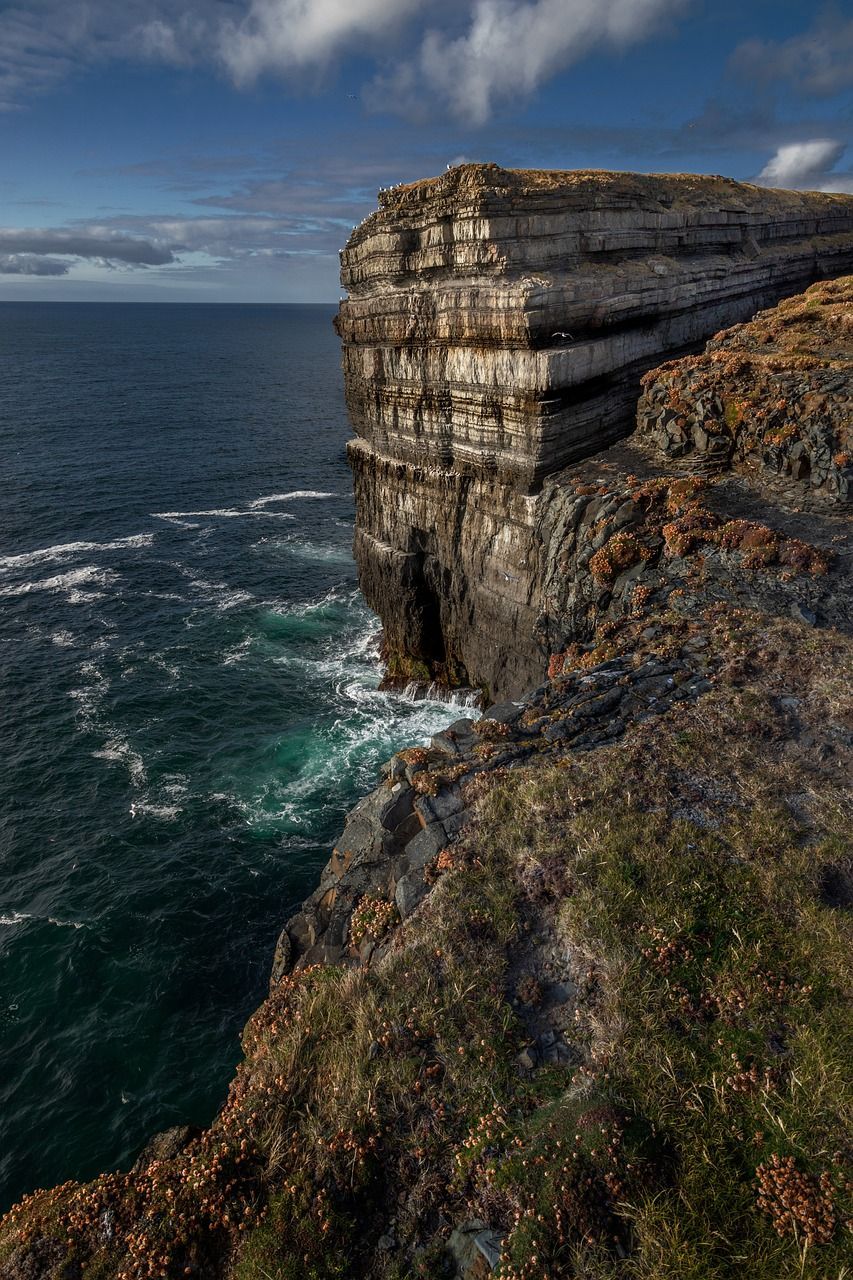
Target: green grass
column 722, row 1033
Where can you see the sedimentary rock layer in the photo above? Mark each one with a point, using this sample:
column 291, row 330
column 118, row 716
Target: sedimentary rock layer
column 499, row 321
column 496, row 330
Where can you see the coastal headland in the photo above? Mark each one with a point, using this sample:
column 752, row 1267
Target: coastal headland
column 572, row 996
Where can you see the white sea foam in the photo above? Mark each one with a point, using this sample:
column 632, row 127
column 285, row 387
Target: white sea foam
column 335, row 596
column 175, row 784
column 89, row 697
column 118, row 750
column 304, row 549
column 171, row 669
column 64, row 550
column 220, row 594
column 88, row 576
column 238, row 653
column 176, row 520
column 19, row 917
column 415, row 693
column 165, row 812
column 290, row 497
column 224, row 512
column 221, row 513
column 63, row 639
column 369, row 725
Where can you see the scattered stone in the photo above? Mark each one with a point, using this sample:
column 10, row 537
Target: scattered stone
column 489, row 1243
column 475, row 1248
column 410, row 892
column 282, row 961
column 527, row 1058
column 802, row 614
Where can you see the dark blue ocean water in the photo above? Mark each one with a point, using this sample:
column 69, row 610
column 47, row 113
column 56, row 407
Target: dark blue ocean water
column 189, row 702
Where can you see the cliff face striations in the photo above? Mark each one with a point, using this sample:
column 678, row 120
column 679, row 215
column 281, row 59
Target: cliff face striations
column 496, row 329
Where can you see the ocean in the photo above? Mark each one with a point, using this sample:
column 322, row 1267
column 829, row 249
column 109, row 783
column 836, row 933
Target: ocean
column 190, row 702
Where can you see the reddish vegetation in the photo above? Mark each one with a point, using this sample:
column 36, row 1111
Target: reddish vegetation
column 797, row 1202
column 765, row 395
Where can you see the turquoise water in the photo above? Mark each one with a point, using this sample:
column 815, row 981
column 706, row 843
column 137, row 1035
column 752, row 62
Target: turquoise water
column 190, row 702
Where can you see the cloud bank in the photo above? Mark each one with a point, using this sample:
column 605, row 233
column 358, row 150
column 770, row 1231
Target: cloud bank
column 45, row 253
column 819, row 62
column 24, row 264
column 469, row 56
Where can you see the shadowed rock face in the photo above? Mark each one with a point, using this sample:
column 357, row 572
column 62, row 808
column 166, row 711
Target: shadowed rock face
column 496, row 329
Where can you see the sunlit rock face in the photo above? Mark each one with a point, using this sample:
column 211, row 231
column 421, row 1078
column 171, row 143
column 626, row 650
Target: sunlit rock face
column 496, row 328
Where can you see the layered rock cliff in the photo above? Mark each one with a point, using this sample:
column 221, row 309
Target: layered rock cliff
column 496, row 329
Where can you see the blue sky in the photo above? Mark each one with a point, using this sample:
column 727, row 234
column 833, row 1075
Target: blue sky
column 221, row 150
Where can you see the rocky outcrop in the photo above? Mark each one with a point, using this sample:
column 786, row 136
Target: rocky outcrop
column 774, row 395
column 496, row 329
column 392, row 847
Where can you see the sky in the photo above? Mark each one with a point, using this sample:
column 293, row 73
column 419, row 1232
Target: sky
column 223, row 150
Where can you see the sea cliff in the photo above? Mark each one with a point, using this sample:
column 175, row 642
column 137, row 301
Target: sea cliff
column 571, row 998
column 496, row 328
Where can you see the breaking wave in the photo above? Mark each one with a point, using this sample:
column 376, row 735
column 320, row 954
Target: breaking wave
column 64, row 550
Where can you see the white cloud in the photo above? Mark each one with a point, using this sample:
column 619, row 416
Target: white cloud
column 230, row 237
column 44, row 41
column 807, row 166
column 283, row 35
column 103, row 245
column 25, row 264
column 513, row 46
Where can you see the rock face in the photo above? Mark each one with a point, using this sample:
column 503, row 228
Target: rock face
column 496, row 329
column 500, row 320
